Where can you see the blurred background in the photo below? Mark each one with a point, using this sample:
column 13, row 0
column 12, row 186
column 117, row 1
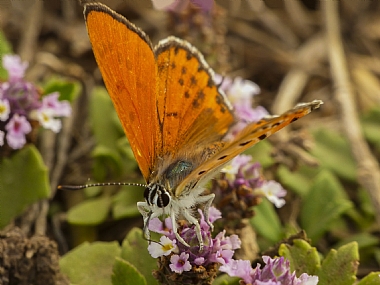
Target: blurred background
column 294, row 50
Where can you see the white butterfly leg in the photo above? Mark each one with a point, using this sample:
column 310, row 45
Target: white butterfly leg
column 192, row 220
column 175, row 229
column 148, row 214
column 207, row 201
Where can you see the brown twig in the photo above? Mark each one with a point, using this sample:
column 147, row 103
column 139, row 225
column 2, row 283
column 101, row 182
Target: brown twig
column 307, row 57
column 32, row 25
column 368, row 168
column 275, row 24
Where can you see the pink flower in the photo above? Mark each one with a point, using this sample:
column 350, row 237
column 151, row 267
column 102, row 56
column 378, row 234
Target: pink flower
column 50, row 109
column 180, row 263
column 59, row 108
column 17, row 128
column 236, row 164
column 240, row 93
column 239, row 268
column 14, row 66
column 217, row 250
column 275, row 272
column 222, row 256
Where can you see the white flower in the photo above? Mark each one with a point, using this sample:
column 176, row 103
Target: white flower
column 164, row 247
column 4, row 109
column 46, row 118
column 274, row 191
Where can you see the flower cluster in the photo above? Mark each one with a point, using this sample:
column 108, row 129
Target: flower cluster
column 275, row 272
column 241, row 187
column 179, row 264
column 21, row 103
column 242, row 173
column 180, row 259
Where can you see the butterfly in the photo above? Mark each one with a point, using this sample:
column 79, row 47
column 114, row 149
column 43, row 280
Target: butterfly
column 174, row 115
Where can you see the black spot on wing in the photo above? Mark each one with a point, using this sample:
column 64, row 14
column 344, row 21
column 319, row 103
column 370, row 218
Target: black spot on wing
column 193, row 81
column 294, row 119
column 245, row 143
column 172, row 114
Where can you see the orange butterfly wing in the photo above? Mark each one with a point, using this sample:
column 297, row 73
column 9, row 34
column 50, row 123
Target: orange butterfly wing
column 250, row 135
column 191, row 109
column 126, row 60
column 163, row 97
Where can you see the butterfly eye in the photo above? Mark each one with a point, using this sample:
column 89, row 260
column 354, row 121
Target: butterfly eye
column 163, row 200
column 157, row 195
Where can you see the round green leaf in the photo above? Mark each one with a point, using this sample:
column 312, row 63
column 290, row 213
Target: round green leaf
column 23, row 181
column 340, row 266
column 302, row 256
column 124, row 273
column 134, row 250
column 90, row 212
column 90, row 264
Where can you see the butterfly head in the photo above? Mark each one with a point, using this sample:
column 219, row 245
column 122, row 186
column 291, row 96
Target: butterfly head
column 156, row 195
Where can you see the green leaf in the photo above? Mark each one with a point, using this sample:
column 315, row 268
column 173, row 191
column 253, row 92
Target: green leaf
column 261, row 152
column 23, row 181
column 325, row 202
column 107, row 130
column 128, row 159
column 68, row 90
column 5, row 48
column 90, row 264
column 92, row 191
column 266, row 222
column 107, row 162
column 371, row 127
column 340, row 266
column 124, row 202
column 134, row 250
column 224, row 279
column 299, row 181
column 364, row 200
column 302, row 256
column 363, row 239
column 334, row 152
column 371, row 279
column 124, row 273
column 90, row 212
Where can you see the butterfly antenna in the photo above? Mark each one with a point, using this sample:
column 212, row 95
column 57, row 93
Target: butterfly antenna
column 79, row 187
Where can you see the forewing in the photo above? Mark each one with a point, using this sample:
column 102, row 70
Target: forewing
column 126, row 60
